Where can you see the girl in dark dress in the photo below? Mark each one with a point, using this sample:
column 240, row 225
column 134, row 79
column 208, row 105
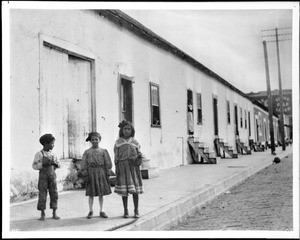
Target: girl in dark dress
column 95, row 166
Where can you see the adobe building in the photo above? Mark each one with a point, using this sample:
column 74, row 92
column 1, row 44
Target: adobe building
column 76, row 71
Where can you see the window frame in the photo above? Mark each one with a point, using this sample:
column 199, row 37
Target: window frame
column 151, row 84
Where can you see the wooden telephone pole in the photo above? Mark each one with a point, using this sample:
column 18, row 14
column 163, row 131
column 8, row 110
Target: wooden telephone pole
column 269, row 99
column 281, row 122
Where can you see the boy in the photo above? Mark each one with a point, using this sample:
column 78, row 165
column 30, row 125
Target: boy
column 46, row 162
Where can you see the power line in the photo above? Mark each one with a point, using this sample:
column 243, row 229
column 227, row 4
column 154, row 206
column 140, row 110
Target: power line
column 273, row 29
column 274, row 35
column 283, row 40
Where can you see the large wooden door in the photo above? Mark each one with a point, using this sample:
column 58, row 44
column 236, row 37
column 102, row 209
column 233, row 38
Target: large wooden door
column 65, row 101
column 52, row 109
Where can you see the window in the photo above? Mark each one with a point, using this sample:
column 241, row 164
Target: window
column 241, row 116
column 155, row 105
column 199, row 109
column 228, row 112
column 245, row 118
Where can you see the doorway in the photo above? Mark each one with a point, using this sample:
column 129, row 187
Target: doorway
column 215, row 112
column 190, row 112
column 236, row 123
column 257, row 130
column 66, row 101
column 126, row 98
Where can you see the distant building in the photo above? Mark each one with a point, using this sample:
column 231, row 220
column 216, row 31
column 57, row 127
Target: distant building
column 287, row 106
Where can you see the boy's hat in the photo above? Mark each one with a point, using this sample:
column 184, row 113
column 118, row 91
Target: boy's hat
column 96, row 134
column 46, row 138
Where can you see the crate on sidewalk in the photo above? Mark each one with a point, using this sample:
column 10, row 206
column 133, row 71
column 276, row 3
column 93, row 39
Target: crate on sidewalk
column 149, row 173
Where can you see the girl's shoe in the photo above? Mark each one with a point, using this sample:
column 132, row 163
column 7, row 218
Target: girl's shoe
column 126, row 215
column 136, row 214
column 103, row 214
column 89, row 216
column 42, row 218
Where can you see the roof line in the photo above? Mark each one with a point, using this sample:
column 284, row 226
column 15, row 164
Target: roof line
column 139, row 29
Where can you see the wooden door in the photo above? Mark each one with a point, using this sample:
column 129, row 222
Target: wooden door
column 52, row 97
column 126, row 100
column 65, row 101
column 190, row 112
column 236, row 122
column 79, row 105
column 215, row 112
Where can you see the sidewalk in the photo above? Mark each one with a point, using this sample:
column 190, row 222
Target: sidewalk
column 169, row 197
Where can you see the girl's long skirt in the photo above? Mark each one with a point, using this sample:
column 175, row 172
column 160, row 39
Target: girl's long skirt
column 98, row 184
column 129, row 178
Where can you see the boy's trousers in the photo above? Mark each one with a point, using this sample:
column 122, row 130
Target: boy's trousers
column 47, row 180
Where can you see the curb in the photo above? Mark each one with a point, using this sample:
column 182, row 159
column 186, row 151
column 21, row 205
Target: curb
column 173, row 213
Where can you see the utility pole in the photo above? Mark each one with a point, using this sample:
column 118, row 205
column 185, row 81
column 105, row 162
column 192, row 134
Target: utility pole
column 269, row 99
column 281, row 121
column 280, row 94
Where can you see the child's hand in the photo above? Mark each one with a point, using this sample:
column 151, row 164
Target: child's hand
column 54, row 164
column 86, row 179
column 138, row 161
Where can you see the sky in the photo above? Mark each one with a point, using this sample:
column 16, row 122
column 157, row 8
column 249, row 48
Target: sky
column 226, row 37
column 229, row 42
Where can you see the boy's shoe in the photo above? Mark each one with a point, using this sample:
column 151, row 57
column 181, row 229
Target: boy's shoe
column 55, row 216
column 89, row 216
column 103, row 214
column 42, row 218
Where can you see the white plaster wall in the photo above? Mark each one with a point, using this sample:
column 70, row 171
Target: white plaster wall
column 116, row 52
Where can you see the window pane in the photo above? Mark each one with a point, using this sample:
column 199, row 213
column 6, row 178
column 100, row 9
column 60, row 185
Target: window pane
column 199, row 116
column 199, row 104
column 154, row 95
column 155, row 114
